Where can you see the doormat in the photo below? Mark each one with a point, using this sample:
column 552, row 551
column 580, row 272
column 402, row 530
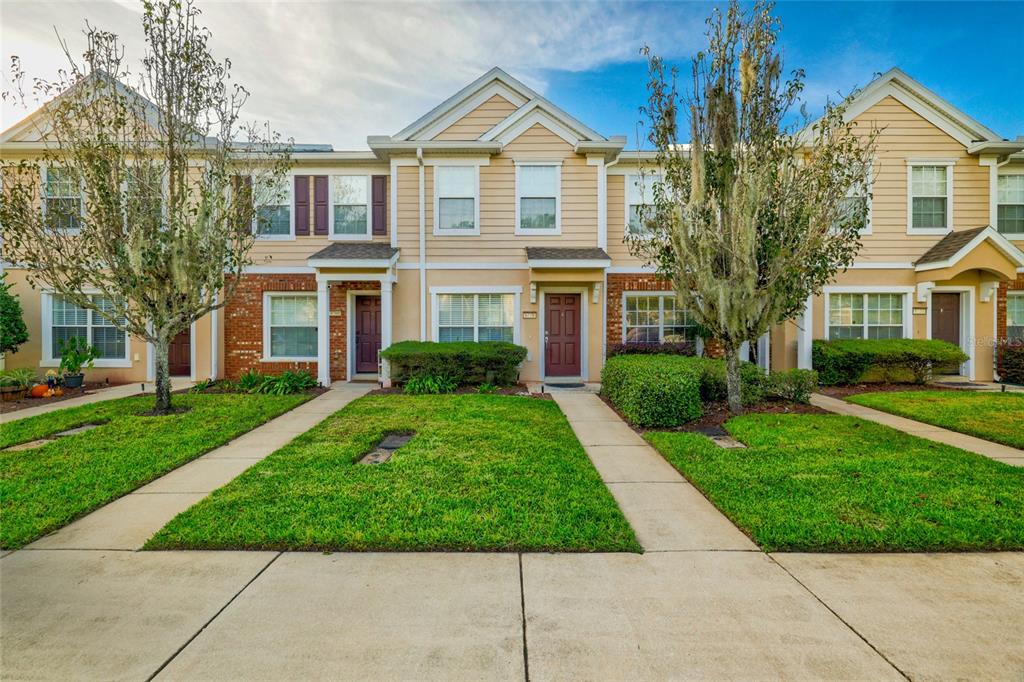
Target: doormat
column 549, row 385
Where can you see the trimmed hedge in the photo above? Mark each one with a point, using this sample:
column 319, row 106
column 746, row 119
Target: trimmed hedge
column 714, row 389
column 847, row 361
column 654, row 390
column 795, row 385
column 676, row 348
column 464, row 362
column 1012, row 362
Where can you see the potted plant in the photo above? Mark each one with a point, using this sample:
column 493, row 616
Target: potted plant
column 76, row 353
column 14, row 383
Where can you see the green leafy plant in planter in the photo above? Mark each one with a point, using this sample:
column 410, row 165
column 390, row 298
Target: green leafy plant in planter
column 76, row 353
column 14, row 383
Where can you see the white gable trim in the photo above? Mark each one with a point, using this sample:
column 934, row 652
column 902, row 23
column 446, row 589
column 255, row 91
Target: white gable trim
column 467, row 106
column 578, row 130
column 988, row 234
column 535, row 116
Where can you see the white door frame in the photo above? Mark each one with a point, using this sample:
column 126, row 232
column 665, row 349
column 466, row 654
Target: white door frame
column 966, row 323
column 151, row 357
column 350, row 305
column 584, row 327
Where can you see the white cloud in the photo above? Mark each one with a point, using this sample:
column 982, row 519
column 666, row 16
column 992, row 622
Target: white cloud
column 336, row 72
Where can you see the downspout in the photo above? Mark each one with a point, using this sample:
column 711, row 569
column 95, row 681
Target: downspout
column 422, row 249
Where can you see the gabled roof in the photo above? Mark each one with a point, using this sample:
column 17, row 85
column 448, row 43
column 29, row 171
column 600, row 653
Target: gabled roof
column 354, row 254
column 919, row 99
column 494, row 82
column 955, row 245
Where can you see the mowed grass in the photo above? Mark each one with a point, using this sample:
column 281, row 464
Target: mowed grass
column 998, row 417
column 45, row 488
column 483, row 472
column 828, row 483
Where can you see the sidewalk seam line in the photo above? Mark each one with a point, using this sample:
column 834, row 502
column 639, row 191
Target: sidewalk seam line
column 213, row 617
column 840, row 618
column 522, row 608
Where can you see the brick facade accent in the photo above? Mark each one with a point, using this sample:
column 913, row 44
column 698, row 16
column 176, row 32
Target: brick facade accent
column 243, row 324
column 1004, row 289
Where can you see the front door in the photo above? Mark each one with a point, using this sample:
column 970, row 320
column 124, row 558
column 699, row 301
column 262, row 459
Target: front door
column 562, row 335
column 946, row 317
column 179, row 355
column 367, row 333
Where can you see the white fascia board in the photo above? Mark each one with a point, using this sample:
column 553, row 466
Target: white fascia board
column 578, row 130
column 569, row 263
column 1004, row 245
column 351, row 262
column 522, row 124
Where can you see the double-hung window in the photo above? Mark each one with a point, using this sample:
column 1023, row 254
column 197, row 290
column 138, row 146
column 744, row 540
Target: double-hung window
column 144, row 195
column 351, row 197
column 63, row 199
column 1015, row 317
column 456, row 190
column 538, row 198
column 639, row 202
column 289, row 326
column 930, row 197
column 865, row 316
column 68, row 320
column 476, row 317
column 274, row 212
column 657, row 318
column 1010, row 204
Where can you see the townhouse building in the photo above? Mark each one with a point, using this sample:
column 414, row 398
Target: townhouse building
column 497, row 215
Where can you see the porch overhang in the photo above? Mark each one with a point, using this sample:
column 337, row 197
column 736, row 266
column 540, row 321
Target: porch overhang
column 354, row 256
column 982, row 249
column 562, row 258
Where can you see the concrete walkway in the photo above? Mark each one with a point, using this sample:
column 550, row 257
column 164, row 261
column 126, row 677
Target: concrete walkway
column 702, row 603
column 177, row 383
column 986, row 448
column 128, row 522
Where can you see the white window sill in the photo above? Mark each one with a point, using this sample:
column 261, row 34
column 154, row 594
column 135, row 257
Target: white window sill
column 312, row 359
column 1013, row 236
column 349, row 237
column 97, row 364
column 929, row 231
column 275, row 237
column 538, row 232
column 456, row 233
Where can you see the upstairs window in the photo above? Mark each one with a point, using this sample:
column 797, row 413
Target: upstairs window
column 657, row 319
column 1010, row 204
column 475, row 317
column 144, row 194
column 455, row 204
column 274, row 214
column 865, row 316
column 68, row 320
column 351, row 204
column 62, row 199
column 539, row 197
column 639, row 202
column 931, row 191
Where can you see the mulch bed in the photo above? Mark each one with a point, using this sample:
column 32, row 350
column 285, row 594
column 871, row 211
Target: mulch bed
column 222, row 387
column 843, row 391
column 517, row 389
column 26, row 402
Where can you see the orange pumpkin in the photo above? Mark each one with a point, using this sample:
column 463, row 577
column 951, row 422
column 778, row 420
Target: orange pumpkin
column 58, row 391
column 39, row 391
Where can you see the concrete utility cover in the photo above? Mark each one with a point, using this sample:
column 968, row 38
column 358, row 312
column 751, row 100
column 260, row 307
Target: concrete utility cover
column 720, row 437
column 78, row 429
column 386, row 448
column 31, row 445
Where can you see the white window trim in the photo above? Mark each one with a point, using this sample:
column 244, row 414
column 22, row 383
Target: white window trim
column 519, row 231
column 330, row 208
column 475, row 232
column 291, row 216
column 266, row 356
column 45, row 200
column 908, row 320
column 629, row 176
column 996, row 204
column 1011, row 295
column 967, row 316
column 950, row 165
column 662, row 295
column 517, row 292
column 47, row 337
column 867, row 229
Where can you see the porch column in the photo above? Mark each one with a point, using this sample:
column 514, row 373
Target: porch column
column 323, row 332
column 385, row 328
column 805, row 327
column 763, row 351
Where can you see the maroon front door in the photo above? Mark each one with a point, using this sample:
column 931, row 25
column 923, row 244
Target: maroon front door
column 946, row 317
column 179, row 355
column 562, row 335
column 367, row 333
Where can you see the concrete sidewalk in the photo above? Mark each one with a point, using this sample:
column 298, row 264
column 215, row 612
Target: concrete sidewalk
column 986, row 448
column 128, row 522
column 45, row 406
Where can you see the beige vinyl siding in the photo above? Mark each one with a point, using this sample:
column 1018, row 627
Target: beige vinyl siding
column 479, row 121
column 408, row 212
column 906, row 135
column 497, row 241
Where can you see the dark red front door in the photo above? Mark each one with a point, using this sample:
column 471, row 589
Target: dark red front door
column 367, row 333
column 946, row 317
column 562, row 335
column 179, row 356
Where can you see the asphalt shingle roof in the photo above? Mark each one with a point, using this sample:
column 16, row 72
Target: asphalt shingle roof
column 356, row 251
column 949, row 245
column 564, row 253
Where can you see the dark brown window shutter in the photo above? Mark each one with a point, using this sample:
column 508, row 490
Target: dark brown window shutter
column 302, row 204
column 380, row 204
column 320, row 204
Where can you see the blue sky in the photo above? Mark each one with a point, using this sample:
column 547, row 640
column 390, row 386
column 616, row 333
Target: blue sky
column 335, row 72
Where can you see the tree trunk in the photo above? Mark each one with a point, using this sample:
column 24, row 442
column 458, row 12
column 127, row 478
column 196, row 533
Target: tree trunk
column 163, row 377
column 732, row 380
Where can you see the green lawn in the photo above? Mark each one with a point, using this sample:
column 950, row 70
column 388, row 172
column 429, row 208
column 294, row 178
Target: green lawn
column 483, row 472
column 833, row 483
column 998, row 417
column 45, row 488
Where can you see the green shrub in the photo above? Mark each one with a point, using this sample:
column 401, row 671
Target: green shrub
column 713, row 386
column 202, row 386
column 76, row 353
column 847, row 361
column 1012, row 365
column 486, row 388
column 430, row 385
column 13, row 331
column 250, row 380
column 465, row 362
column 654, row 390
column 23, row 377
column 668, row 348
column 794, row 384
column 285, row 383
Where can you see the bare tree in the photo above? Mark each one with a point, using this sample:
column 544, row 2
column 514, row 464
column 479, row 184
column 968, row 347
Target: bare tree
column 760, row 209
column 167, row 174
